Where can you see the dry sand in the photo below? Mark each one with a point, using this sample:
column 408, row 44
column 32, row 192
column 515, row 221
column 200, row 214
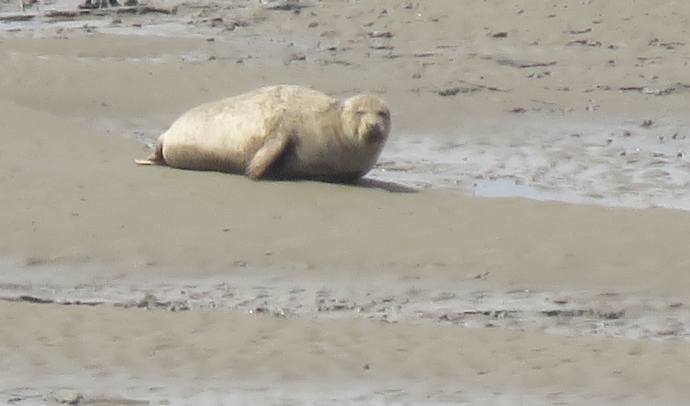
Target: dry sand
column 127, row 285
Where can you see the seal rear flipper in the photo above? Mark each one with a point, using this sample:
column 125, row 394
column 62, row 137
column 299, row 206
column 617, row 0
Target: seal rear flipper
column 268, row 155
column 148, row 161
column 156, row 158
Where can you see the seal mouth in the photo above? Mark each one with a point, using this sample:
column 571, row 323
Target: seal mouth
column 374, row 136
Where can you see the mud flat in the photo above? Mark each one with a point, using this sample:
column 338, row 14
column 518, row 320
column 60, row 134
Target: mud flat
column 130, row 285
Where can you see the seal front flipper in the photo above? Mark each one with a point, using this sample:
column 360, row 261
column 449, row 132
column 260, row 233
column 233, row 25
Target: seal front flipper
column 156, row 158
column 268, row 155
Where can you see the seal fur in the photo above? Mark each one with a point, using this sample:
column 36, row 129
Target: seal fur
column 279, row 132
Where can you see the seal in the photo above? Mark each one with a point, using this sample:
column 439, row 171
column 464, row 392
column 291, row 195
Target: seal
column 279, row 132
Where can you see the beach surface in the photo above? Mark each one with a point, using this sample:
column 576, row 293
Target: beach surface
column 521, row 241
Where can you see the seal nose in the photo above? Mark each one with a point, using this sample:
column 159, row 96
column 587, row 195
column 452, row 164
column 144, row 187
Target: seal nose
column 374, row 132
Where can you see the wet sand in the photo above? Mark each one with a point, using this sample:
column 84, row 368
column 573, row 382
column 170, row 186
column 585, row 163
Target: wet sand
column 125, row 283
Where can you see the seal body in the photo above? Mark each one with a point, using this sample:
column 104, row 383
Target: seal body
column 279, row 132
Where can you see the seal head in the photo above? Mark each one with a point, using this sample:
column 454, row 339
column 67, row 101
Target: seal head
column 366, row 120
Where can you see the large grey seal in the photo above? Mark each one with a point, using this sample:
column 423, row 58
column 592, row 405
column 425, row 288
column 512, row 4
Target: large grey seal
column 279, row 132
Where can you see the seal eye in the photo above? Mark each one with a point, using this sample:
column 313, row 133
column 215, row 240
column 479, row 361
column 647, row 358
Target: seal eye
column 360, row 112
column 383, row 114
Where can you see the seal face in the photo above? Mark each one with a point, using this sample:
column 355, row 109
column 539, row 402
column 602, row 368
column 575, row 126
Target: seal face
column 279, row 132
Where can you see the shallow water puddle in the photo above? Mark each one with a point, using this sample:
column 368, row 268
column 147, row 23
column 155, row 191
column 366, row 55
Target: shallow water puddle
column 609, row 164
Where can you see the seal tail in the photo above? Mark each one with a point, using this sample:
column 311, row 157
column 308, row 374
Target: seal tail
column 156, row 158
